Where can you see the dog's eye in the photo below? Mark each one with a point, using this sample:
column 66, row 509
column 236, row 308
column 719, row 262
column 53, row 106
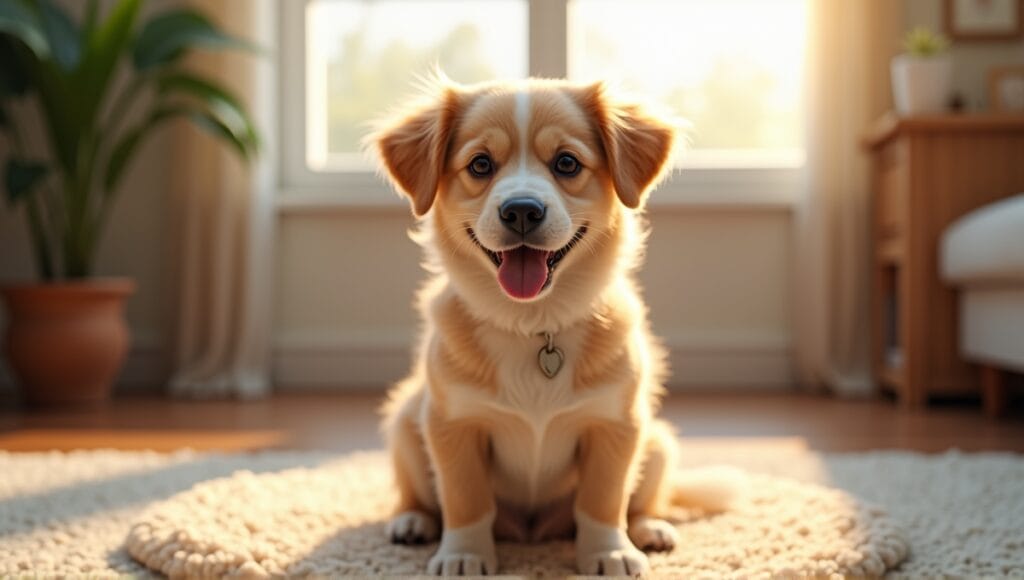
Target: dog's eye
column 481, row 166
column 566, row 165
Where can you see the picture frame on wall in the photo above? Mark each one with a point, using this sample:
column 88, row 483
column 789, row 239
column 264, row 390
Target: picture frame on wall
column 1006, row 89
column 984, row 20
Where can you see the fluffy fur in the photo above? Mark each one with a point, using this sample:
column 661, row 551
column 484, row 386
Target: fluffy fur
column 478, row 434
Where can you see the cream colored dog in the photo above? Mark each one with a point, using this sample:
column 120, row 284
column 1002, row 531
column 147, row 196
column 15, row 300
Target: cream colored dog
column 530, row 410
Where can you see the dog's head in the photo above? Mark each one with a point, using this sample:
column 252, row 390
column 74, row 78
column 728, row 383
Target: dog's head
column 527, row 184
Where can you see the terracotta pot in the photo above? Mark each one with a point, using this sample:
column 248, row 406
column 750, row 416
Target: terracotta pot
column 66, row 342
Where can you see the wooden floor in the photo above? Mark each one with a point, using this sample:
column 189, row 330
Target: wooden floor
column 349, row 422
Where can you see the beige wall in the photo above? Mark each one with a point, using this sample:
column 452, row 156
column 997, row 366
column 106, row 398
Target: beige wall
column 717, row 281
column 971, row 60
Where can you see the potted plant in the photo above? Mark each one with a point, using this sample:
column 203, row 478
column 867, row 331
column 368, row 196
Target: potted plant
column 66, row 338
column 921, row 76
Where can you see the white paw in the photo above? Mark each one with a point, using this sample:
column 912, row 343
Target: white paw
column 627, row 561
column 653, row 534
column 466, row 550
column 461, row 565
column 412, row 527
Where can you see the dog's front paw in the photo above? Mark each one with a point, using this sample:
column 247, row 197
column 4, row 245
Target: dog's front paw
column 461, row 565
column 653, row 534
column 627, row 561
column 413, row 527
column 466, row 550
column 605, row 550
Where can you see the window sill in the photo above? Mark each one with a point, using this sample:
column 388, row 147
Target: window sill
column 747, row 189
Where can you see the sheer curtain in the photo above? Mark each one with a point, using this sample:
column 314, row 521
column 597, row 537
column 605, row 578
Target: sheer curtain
column 222, row 224
column 850, row 44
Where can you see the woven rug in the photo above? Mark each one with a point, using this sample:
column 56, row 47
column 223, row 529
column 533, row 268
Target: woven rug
column 186, row 514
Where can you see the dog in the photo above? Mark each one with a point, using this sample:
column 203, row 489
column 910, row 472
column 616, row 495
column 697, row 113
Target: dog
column 530, row 410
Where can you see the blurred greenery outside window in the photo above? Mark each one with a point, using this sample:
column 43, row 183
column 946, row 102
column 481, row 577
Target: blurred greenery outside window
column 732, row 68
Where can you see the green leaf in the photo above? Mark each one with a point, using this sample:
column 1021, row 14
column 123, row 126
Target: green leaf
column 14, row 77
column 18, row 20
column 224, row 105
column 103, row 50
column 122, row 154
column 60, row 105
column 22, row 177
column 61, row 33
column 210, row 123
column 207, row 120
column 126, row 148
column 166, row 37
column 91, row 17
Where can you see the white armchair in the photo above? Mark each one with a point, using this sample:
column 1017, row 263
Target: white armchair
column 983, row 256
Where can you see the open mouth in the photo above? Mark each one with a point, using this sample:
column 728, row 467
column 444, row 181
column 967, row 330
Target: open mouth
column 524, row 272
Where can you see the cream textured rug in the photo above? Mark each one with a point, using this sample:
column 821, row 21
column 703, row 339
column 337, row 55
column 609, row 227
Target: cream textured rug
column 955, row 514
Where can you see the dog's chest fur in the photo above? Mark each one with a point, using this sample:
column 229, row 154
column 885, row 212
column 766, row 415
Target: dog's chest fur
column 535, row 421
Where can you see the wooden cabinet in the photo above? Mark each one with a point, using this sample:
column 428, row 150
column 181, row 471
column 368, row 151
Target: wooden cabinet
column 927, row 172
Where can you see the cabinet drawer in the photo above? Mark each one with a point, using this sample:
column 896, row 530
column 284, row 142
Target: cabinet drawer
column 892, row 200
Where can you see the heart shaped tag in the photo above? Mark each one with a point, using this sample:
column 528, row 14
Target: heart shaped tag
column 550, row 360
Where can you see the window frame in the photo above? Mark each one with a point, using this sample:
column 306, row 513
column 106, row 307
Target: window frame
column 770, row 185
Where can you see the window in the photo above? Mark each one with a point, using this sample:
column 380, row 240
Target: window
column 363, row 56
column 732, row 68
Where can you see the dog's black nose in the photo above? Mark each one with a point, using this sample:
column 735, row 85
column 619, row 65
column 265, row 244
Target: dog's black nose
column 522, row 214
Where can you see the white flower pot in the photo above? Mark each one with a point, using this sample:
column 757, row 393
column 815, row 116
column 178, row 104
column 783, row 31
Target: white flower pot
column 921, row 84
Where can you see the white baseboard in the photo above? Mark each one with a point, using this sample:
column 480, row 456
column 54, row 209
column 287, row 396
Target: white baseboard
column 380, row 359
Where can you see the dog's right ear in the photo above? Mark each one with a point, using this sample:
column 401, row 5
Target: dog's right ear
column 413, row 146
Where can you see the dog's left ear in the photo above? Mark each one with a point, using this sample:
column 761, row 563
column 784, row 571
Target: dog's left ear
column 638, row 144
column 413, row 146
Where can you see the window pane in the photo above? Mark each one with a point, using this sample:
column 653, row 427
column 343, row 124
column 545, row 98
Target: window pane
column 732, row 68
column 364, row 56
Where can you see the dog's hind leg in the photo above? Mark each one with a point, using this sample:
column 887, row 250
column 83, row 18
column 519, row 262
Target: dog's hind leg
column 650, row 498
column 415, row 520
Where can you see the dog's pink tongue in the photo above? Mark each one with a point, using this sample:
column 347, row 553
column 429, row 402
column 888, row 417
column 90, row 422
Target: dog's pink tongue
column 523, row 272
